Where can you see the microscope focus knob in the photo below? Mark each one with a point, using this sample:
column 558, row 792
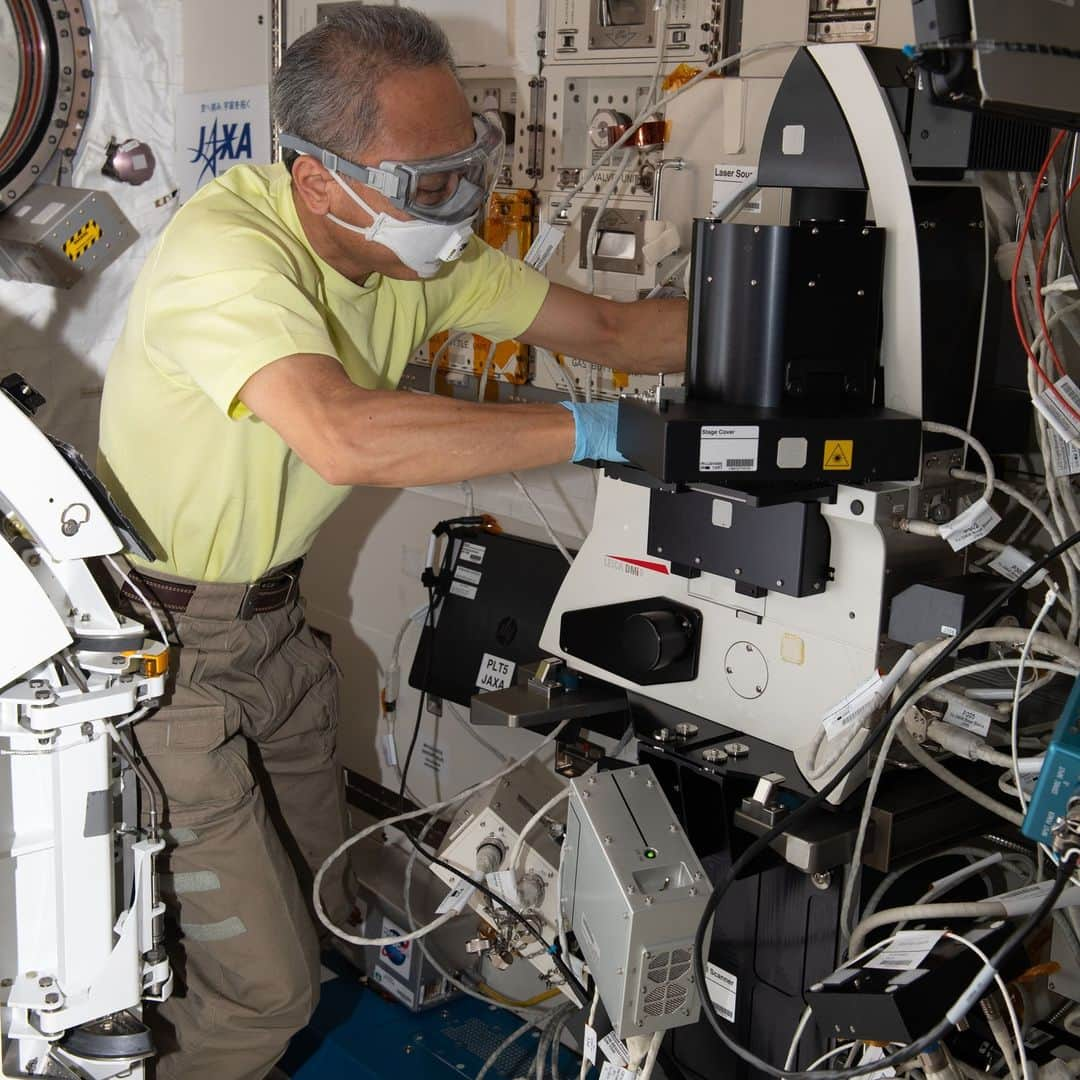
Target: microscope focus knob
column 652, row 640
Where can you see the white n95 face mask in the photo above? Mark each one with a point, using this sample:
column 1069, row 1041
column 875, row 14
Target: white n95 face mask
column 423, row 246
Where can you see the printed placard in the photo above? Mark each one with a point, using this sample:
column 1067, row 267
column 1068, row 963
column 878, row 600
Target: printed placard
column 216, row 129
column 495, row 673
column 730, row 183
column 723, row 990
column 728, row 449
column 472, row 553
column 465, row 591
column 465, row 573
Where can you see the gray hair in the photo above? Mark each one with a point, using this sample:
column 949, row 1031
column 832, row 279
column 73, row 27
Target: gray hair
column 326, row 88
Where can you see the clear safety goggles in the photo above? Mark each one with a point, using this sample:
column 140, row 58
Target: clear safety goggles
column 445, row 190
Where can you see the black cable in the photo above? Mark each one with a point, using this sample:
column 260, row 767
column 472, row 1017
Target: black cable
column 1063, row 210
column 434, row 599
column 761, row 844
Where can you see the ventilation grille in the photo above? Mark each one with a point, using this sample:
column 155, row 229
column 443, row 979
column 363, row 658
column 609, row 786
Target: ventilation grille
column 665, row 994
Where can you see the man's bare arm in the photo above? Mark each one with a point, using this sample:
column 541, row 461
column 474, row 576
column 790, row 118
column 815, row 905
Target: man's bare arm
column 644, row 337
column 386, row 438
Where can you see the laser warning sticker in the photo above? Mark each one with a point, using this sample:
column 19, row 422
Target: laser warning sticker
column 839, row 454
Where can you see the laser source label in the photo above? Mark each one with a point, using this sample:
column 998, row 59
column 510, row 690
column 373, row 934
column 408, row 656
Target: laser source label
column 729, row 449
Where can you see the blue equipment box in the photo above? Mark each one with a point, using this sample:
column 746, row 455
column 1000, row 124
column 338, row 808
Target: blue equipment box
column 1059, row 778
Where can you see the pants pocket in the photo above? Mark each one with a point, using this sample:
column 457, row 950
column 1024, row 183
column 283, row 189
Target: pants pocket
column 202, row 767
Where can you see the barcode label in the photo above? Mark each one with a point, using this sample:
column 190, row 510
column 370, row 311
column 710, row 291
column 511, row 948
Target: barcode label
column 1064, row 457
column 728, row 449
column 1057, row 415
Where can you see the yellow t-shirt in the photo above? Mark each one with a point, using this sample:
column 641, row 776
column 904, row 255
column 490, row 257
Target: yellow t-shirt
column 233, row 285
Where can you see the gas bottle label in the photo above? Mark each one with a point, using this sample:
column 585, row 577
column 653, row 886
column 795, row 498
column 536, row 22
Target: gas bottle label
column 729, row 449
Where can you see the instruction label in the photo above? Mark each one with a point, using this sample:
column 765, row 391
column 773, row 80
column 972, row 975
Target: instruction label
column 728, row 449
column 723, row 990
column 1012, row 564
column 730, row 183
column 976, row 522
column 465, row 591
column 908, row 951
column 495, row 673
column 839, row 454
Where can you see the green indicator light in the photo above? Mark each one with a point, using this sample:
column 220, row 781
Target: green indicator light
column 650, row 853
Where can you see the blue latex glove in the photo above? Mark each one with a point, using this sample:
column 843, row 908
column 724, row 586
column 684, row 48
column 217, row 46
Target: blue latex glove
column 595, row 428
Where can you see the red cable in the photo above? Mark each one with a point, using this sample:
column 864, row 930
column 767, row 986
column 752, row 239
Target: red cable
column 1021, row 244
column 1043, row 255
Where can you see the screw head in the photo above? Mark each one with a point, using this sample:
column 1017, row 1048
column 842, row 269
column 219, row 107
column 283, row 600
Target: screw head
column 736, row 749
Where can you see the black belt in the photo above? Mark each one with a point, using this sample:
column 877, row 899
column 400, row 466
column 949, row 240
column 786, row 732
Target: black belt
column 268, row 594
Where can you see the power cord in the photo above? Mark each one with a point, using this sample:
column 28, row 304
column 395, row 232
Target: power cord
column 761, row 844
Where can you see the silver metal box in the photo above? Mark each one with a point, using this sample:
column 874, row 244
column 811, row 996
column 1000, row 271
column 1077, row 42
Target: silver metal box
column 633, row 891
column 58, row 235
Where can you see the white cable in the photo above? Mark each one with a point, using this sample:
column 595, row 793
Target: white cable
column 978, row 797
column 704, row 73
column 485, row 370
column 543, row 518
column 548, row 361
column 989, row 665
column 793, row 1048
column 434, row 373
column 957, row 433
column 532, row 823
column 653, row 1054
column 127, row 580
column 1048, row 603
column 831, row 1054
column 590, row 1023
column 473, row 734
column 505, row 1045
column 1018, row 1032
column 340, row 850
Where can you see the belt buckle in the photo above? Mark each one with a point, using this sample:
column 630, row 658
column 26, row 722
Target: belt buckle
column 251, row 594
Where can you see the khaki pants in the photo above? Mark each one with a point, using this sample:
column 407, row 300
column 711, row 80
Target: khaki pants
column 244, row 748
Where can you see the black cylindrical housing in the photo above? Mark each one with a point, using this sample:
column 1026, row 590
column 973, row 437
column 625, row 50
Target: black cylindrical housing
column 785, row 314
column 738, row 297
